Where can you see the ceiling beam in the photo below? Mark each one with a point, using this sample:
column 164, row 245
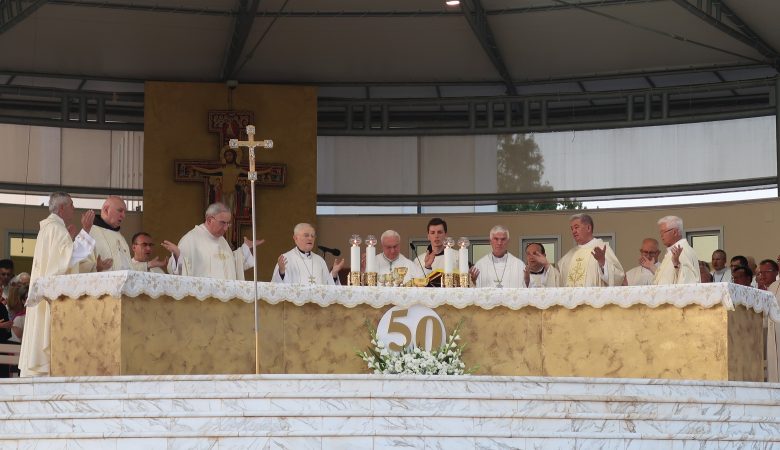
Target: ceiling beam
column 743, row 33
column 14, row 11
column 247, row 10
column 477, row 19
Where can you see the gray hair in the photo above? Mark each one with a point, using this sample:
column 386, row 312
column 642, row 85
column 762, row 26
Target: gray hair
column 216, row 208
column 389, row 234
column 57, row 200
column 499, row 229
column 672, row 222
column 298, row 228
column 582, row 217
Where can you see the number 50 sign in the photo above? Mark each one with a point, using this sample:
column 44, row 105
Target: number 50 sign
column 418, row 325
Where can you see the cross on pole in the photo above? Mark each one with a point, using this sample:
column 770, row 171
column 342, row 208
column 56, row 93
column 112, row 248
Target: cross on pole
column 251, row 144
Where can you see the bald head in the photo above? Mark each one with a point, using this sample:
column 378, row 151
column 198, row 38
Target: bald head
column 113, row 211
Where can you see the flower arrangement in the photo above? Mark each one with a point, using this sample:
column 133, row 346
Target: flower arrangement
column 411, row 360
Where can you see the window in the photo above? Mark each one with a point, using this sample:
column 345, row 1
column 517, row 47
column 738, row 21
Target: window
column 551, row 244
column 705, row 241
column 609, row 238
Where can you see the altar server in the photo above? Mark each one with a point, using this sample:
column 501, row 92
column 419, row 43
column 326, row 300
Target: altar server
column 204, row 252
column 499, row 268
column 391, row 257
column 591, row 262
column 437, row 234
column 301, row 266
column 539, row 272
column 58, row 251
column 680, row 264
column 110, row 246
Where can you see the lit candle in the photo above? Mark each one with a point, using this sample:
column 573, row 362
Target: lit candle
column 354, row 258
column 463, row 260
column 449, row 260
column 371, row 253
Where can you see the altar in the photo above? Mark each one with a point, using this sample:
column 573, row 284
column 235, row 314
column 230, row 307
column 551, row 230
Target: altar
column 138, row 323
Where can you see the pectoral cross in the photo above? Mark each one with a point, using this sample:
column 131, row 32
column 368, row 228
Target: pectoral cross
column 498, row 283
column 312, row 280
column 251, row 144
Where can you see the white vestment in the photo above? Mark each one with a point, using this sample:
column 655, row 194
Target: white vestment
column 438, row 262
column 640, row 276
column 687, row 273
column 384, row 266
column 580, row 269
column 304, row 268
column 721, row 276
column 108, row 244
column 506, row 271
column 144, row 267
column 55, row 254
column 773, row 341
column 551, row 277
column 204, row 255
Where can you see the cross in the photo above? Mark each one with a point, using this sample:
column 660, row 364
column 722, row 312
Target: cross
column 250, row 143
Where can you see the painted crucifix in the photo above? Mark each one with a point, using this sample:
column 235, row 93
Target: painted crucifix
column 226, row 180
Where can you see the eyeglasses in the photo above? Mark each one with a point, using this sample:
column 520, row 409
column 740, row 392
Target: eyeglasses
column 222, row 222
column 668, row 230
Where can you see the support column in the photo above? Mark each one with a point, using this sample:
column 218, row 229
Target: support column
column 777, row 131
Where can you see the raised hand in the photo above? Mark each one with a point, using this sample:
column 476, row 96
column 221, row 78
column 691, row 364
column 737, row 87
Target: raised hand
column 248, row 242
column 87, row 219
column 282, row 261
column 429, row 257
column 600, row 253
column 647, row 263
column 676, row 251
column 538, row 257
column 157, row 262
column 338, row 264
column 474, row 274
column 173, row 248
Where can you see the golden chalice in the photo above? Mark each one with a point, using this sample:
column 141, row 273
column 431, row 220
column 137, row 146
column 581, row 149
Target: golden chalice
column 399, row 273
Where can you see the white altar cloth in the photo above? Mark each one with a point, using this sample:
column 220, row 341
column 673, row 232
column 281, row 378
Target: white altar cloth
column 134, row 283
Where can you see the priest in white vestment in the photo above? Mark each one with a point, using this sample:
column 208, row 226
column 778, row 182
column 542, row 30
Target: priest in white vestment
column 434, row 257
column 302, row 266
column 499, row 268
column 391, row 257
column 680, row 264
column 142, row 246
column 591, row 262
column 58, row 251
column 767, row 276
column 539, row 272
column 110, row 246
column 720, row 272
column 644, row 273
column 204, row 252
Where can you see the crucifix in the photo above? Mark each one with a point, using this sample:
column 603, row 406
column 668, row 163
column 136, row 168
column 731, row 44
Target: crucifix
column 251, row 144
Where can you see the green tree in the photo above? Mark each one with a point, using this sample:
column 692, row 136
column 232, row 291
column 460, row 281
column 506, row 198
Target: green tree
column 520, row 169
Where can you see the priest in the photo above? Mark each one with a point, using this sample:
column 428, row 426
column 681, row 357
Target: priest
column 302, row 266
column 391, row 257
column 591, row 262
column 58, row 250
column 110, row 246
column 539, row 272
column 204, row 252
column 499, row 268
column 142, row 246
column 680, row 264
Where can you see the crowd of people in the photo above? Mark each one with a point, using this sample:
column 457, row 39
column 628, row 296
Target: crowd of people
column 98, row 245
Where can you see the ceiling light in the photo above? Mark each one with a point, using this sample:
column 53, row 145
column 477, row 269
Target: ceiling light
column 452, row 2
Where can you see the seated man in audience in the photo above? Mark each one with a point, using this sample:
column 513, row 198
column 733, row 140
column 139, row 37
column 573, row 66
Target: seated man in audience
column 391, row 257
column 767, row 274
column 704, row 272
column 143, row 245
column 591, row 262
column 680, row 265
column 6, row 273
column 720, row 273
column 302, row 266
column 644, row 273
column 499, row 268
column 111, row 250
column 204, row 252
column 538, row 271
column 742, row 275
column 738, row 261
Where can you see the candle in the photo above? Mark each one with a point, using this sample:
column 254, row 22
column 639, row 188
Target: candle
column 449, row 260
column 354, row 258
column 370, row 259
column 463, row 260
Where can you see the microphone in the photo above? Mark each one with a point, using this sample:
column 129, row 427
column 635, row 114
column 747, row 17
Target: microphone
column 332, row 251
column 417, row 256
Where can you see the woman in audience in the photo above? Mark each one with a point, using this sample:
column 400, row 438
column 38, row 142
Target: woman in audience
column 17, row 297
